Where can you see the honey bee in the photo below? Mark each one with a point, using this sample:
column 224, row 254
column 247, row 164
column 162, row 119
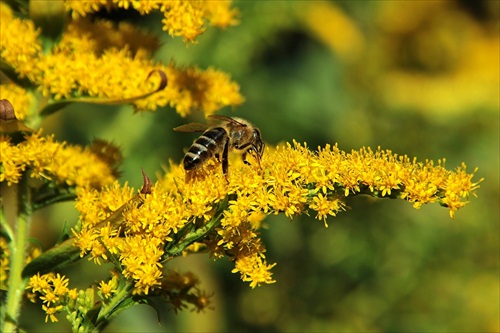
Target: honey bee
column 231, row 134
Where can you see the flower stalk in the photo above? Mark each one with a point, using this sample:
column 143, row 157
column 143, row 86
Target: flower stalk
column 16, row 284
column 120, row 301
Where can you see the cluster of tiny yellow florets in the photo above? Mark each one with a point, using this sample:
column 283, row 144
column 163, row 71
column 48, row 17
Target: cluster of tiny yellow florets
column 51, row 160
column 52, row 289
column 181, row 18
column 54, row 292
column 290, row 179
column 88, row 61
column 19, row 44
column 22, row 99
column 4, row 262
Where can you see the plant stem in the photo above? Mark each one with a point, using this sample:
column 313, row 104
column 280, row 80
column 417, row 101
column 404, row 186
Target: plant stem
column 120, row 301
column 16, row 284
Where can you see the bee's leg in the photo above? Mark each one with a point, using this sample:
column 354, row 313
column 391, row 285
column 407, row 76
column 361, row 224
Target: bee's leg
column 257, row 157
column 253, row 150
column 244, row 157
column 224, row 158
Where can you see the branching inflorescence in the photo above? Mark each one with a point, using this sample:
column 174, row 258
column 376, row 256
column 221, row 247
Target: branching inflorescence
column 138, row 232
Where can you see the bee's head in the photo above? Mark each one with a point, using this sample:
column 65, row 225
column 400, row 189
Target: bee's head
column 258, row 145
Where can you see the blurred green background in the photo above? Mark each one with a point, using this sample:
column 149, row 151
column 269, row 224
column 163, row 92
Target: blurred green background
column 418, row 77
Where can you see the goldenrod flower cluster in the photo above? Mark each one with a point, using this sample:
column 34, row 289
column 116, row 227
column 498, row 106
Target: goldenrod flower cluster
column 54, row 293
column 89, row 59
column 52, row 289
column 182, row 212
column 48, row 159
column 181, row 17
column 292, row 180
column 19, row 44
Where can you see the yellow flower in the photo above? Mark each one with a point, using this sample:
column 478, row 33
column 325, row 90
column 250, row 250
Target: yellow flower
column 47, row 159
column 82, row 8
column 39, row 283
column 88, row 62
column 19, row 44
column 53, row 291
column 73, row 294
column 254, row 270
column 181, row 17
column 224, row 212
column 49, row 297
column 140, row 257
column 51, row 312
column 60, row 285
column 21, row 100
column 106, row 289
column 325, row 206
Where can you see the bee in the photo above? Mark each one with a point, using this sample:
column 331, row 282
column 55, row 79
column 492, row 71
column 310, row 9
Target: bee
column 231, row 134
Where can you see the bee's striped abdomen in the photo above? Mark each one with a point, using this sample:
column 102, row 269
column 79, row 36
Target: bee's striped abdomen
column 204, row 147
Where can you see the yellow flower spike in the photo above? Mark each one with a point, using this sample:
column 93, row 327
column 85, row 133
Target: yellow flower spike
column 180, row 210
column 19, row 44
column 181, row 17
column 52, row 160
column 86, row 66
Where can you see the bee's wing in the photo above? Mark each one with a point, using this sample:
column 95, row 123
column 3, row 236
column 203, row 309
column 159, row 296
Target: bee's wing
column 225, row 118
column 192, row 127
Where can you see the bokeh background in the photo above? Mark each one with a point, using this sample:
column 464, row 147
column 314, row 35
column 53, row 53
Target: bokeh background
column 421, row 78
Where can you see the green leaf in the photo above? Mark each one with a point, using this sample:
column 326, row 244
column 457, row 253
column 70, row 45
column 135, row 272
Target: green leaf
column 11, row 74
column 50, row 194
column 57, row 257
column 65, row 233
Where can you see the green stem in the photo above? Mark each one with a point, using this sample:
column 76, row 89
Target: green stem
column 120, row 301
column 175, row 248
column 16, row 284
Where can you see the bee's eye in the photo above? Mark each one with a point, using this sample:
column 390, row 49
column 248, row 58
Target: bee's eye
column 256, row 134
